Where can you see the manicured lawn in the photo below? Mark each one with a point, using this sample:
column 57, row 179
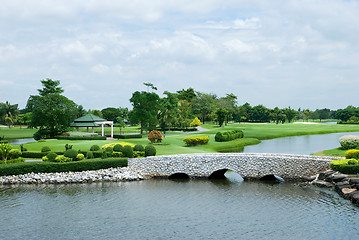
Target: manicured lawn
column 173, row 144
column 16, row 132
column 332, row 152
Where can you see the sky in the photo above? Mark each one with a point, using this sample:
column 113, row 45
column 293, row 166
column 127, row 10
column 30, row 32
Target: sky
column 297, row 53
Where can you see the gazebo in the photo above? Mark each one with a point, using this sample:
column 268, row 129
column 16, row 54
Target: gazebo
column 93, row 121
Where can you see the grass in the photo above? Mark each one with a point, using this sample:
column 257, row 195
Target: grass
column 16, row 132
column 173, row 144
column 336, row 152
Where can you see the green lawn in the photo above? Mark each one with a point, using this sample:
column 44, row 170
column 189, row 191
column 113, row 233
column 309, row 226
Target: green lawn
column 173, row 144
column 16, row 132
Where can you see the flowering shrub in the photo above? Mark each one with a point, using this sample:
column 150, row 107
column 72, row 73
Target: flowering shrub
column 80, row 157
column 193, row 141
column 115, row 143
column 349, row 141
column 155, row 136
column 62, row 158
column 195, row 123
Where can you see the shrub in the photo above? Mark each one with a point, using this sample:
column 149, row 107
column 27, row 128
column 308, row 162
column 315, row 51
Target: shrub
column 193, row 141
column 109, row 149
column 48, row 167
column 127, row 151
column 16, row 160
column 104, row 155
column 155, row 136
column 195, row 123
column 62, row 158
column 349, row 141
column 71, row 153
column 139, row 148
column 22, row 148
column 117, row 148
column 51, row 156
column 127, row 136
column 117, row 154
column 45, row 149
column 352, row 162
column 67, row 147
column 353, row 153
column 89, row 155
column 228, row 136
column 97, row 154
column 150, row 151
column 138, row 154
column 95, row 148
column 45, row 159
column 115, row 143
column 41, row 133
column 80, row 157
column 14, row 153
column 81, row 138
column 349, row 169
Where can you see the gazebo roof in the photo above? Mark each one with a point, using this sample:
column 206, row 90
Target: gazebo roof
column 84, row 124
column 89, row 118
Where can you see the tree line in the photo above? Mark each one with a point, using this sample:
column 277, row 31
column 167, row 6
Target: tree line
column 53, row 113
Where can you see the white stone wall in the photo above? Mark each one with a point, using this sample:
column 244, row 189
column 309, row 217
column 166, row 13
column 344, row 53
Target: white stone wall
column 248, row 165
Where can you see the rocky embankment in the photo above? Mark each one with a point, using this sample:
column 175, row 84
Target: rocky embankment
column 110, row 174
column 346, row 186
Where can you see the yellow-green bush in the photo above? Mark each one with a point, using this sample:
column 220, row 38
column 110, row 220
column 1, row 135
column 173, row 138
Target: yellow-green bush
column 115, row 143
column 353, row 153
column 337, row 164
column 193, row 141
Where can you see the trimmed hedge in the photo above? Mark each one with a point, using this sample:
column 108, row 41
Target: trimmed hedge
column 228, row 136
column 193, row 141
column 127, row 136
column 353, row 153
column 349, row 169
column 49, row 167
column 37, row 154
column 179, row 129
column 81, row 138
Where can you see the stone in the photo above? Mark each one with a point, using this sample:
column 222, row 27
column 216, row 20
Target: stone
column 336, row 178
column 325, row 174
column 354, row 197
column 321, row 183
column 354, row 180
column 345, row 192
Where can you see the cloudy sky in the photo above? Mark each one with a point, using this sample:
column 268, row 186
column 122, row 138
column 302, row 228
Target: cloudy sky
column 281, row 53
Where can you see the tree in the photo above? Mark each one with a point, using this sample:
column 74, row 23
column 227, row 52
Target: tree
column 145, row 109
column 290, row 113
column 187, row 95
column 221, row 115
column 80, row 111
column 121, row 123
column 8, row 112
column 260, row 113
column 195, row 123
column 168, row 110
column 51, row 111
column 306, row 113
column 5, row 149
column 204, row 104
column 228, row 103
column 277, row 115
column 110, row 114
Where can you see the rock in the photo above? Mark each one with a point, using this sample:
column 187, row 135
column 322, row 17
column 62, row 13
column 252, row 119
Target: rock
column 321, row 183
column 345, row 192
column 354, row 197
column 325, row 174
column 309, row 179
column 354, row 180
column 342, row 183
column 336, row 178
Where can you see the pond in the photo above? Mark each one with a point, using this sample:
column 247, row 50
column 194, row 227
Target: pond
column 306, row 144
column 180, row 209
column 21, row 140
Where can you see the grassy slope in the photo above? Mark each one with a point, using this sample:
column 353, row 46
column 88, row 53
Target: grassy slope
column 16, row 132
column 173, row 144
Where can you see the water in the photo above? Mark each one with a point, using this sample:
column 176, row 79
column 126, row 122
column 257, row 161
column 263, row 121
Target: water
column 306, row 144
column 165, row 209
column 21, row 140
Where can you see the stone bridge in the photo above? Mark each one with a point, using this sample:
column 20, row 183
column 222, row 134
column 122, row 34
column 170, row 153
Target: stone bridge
column 248, row 165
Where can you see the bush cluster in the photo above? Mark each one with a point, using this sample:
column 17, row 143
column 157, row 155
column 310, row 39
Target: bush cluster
column 228, row 136
column 126, row 136
column 45, row 149
column 71, row 153
column 14, row 153
column 349, row 141
column 193, row 141
column 353, row 153
column 346, row 166
column 48, row 167
column 155, row 136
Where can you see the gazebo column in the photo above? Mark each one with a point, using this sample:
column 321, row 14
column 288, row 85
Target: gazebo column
column 93, row 129
column 112, row 130
column 77, row 128
column 102, row 128
column 87, row 128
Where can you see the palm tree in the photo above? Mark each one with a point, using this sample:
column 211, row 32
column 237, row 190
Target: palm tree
column 8, row 112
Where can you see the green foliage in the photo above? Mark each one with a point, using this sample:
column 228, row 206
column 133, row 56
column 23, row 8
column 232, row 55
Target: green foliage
column 221, row 115
column 353, row 153
column 16, row 160
column 45, row 149
column 349, row 141
column 105, row 155
column 117, row 154
column 51, row 156
column 62, row 159
column 118, row 148
column 109, row 149
column 195, row 123
column 352, row 162
column 127, row 151
column 155, row 136
column 89, row 155
column 128, row 136
column 67, row 146
column 150, row 151
column 22, row 148
column 138, row 147
column 335, row 164
column 228, row 136
column 71, row 153
column 80, row 157
column 81, row 138
column 138, row 154
column 14, row 153
column 193, row 141
column 48, row 167
column 95, row 148
column 5, row 149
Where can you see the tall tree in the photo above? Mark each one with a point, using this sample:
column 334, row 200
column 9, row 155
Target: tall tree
column 145, row 109
column 168, row 110
column 8, row 112
column 290, row 113
column 204, row 105
column 110, row 114
column 221, row 114
column 51, row 111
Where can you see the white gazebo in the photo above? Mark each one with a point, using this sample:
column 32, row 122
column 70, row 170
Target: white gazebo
column 92, row 121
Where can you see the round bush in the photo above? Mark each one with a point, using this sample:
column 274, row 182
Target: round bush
column 109, row 149
column 150, row 151
column 89, row 155
column 349, row 141
column 118, row 148
column 94, row 148
column 352, row 162
column 14, row 153
column 353, row 153
column 104, row 155
column 127, row 151
column 51, row 156
column 80, row 157
column 71, row 153
column 138, row 148
column 45, row 149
